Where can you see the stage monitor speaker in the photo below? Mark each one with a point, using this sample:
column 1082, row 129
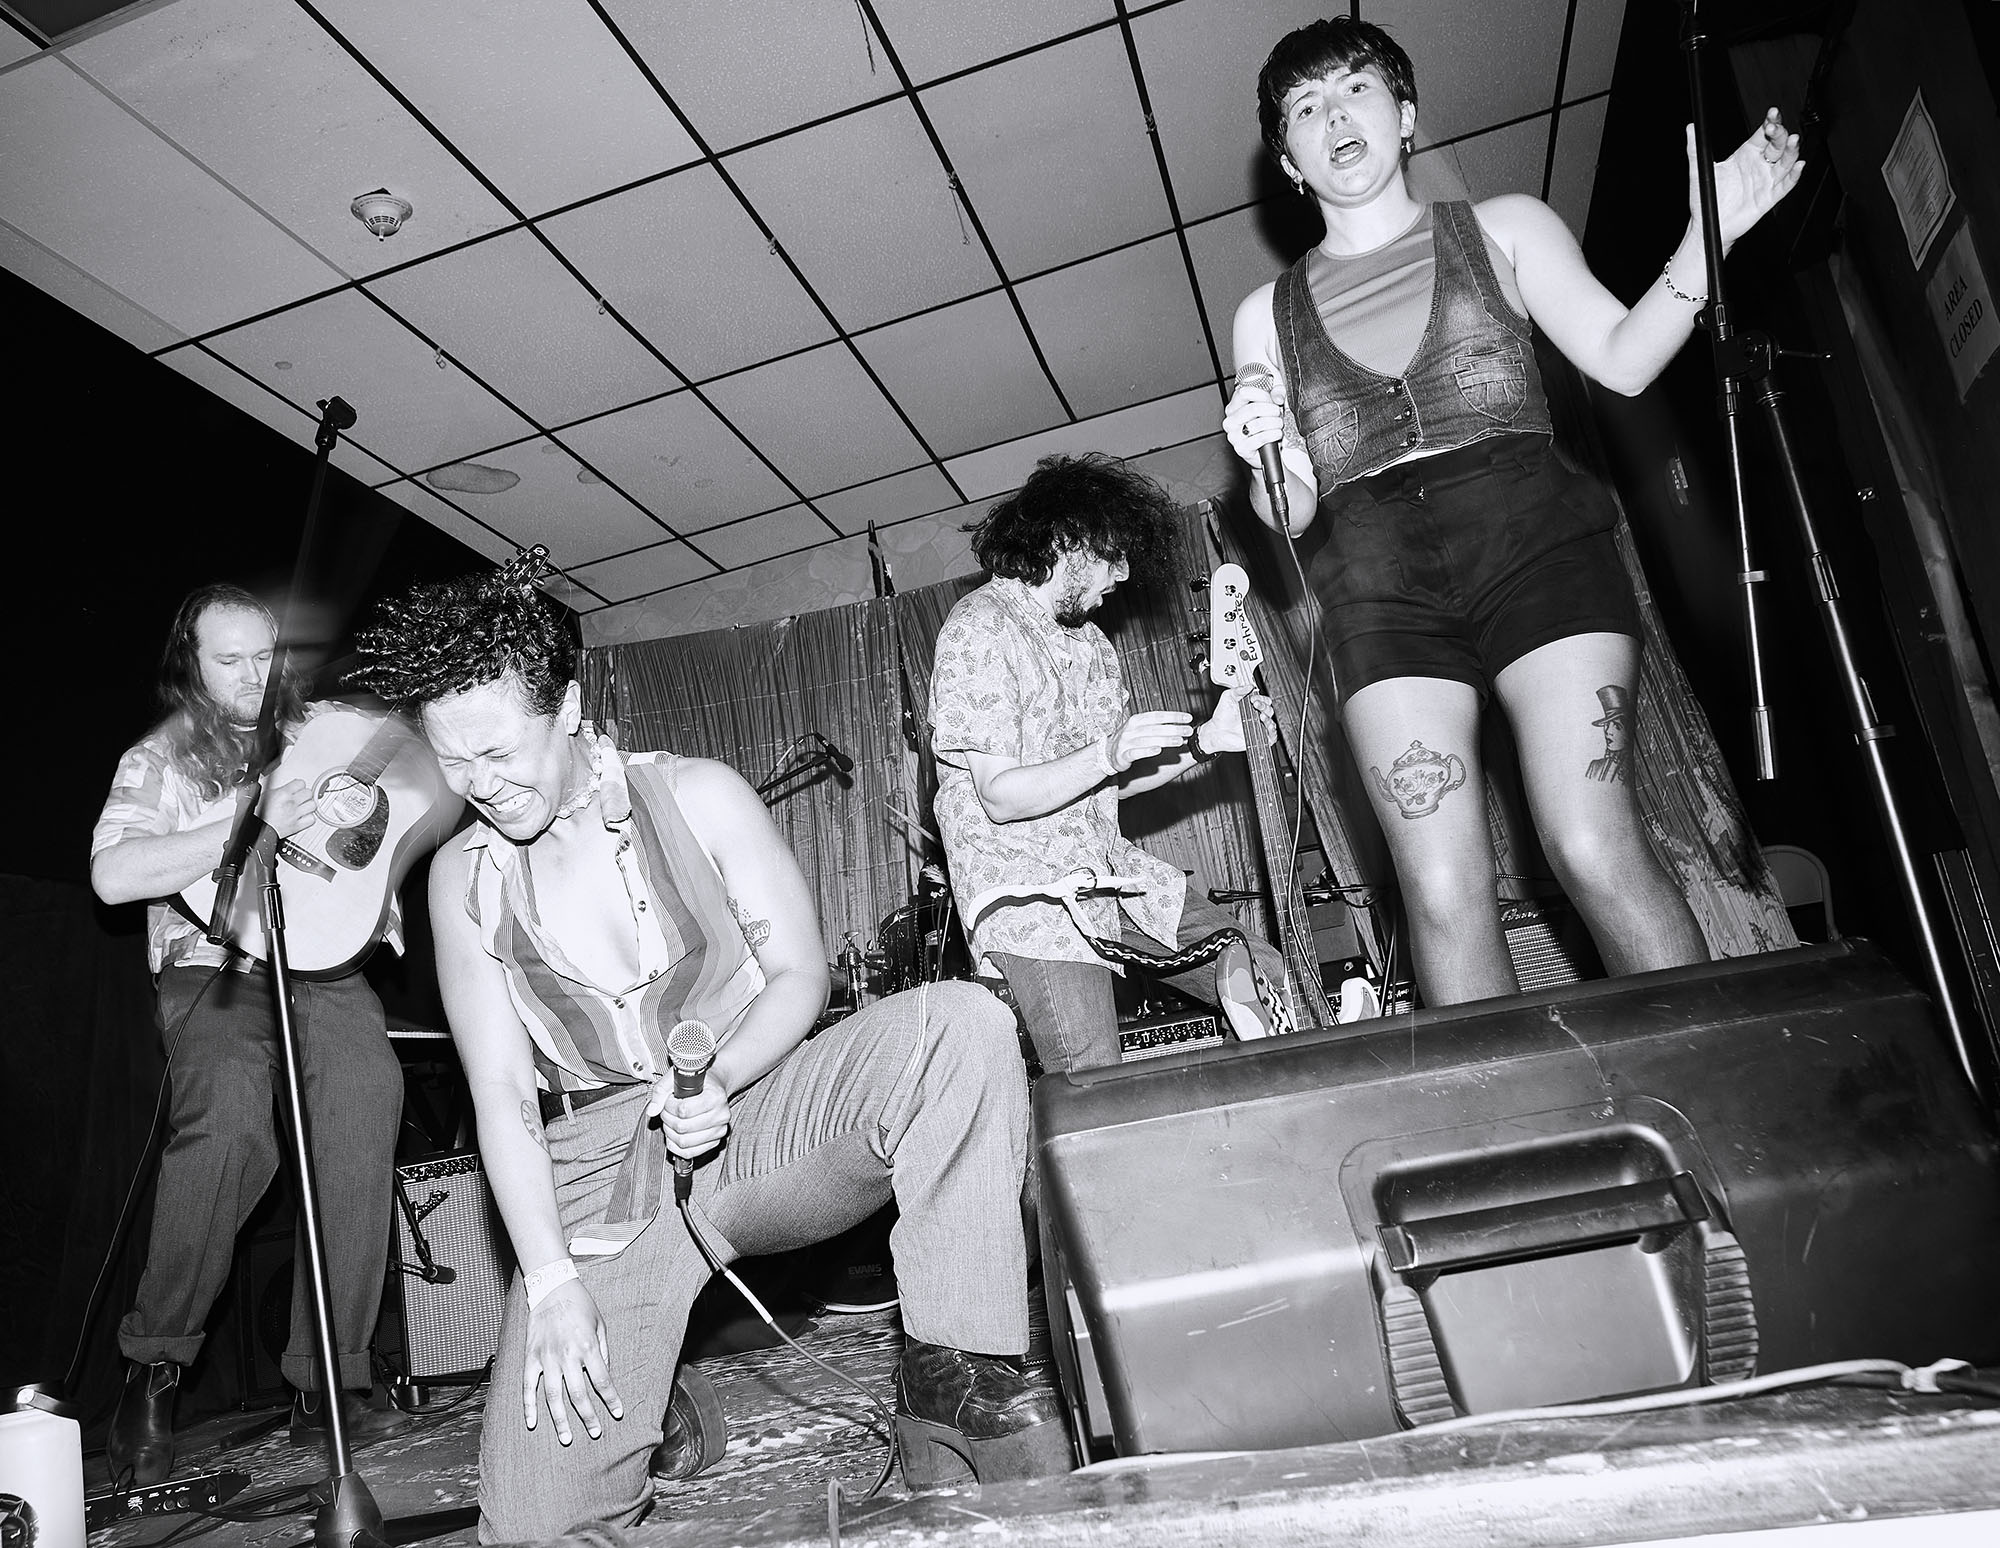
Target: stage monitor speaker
column 1608, row 1188
column 449, row 1281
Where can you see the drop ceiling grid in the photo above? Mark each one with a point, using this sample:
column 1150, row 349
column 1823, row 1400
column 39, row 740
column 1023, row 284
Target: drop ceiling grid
column 778, row 221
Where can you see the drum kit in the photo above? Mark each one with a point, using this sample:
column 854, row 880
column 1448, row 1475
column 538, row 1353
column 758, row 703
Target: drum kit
column 919, row 943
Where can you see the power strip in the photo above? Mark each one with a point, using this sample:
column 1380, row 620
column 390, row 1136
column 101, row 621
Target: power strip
column 204, row 1491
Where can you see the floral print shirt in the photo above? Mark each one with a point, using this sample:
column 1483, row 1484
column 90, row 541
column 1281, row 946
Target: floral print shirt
column 1010, row 681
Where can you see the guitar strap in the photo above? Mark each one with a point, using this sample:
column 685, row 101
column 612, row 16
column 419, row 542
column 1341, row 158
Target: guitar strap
column 1277, row 1005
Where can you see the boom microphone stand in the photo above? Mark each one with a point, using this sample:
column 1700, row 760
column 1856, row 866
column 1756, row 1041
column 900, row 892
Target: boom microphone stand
column 1744, row 363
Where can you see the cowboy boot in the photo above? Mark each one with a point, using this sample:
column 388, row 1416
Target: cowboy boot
column 999, row 1416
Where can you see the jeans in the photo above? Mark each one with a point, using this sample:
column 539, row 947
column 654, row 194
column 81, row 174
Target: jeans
column 1067, row 1007
column 226, row 1070
column 919, row 1098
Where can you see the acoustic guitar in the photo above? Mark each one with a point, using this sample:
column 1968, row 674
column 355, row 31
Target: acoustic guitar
column 379, row 802
column 1234, row 654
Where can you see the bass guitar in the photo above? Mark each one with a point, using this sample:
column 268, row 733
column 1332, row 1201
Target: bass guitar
column 378, row 802
column 1234, row 654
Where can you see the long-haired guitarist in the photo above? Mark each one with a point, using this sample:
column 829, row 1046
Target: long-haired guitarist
column 163, row 828
column 1037, row 743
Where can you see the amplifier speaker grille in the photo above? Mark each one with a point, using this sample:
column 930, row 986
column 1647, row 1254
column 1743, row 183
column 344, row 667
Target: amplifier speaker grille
column 450, row 1328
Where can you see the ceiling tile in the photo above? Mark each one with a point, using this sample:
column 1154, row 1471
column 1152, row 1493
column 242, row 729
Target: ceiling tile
column 1233, row 254
column 93, row 185
column 281, row 112
column 1579, row 135
column 80, row 292
column 1144, row 427
column 650, row 569
column 755, row 67
column 819, row 419
column 411, row 414
column 514, row 315
column 1504, row 161
column 1201, row 63
column 679, row 461
column 1013, row 133
column 290, row 420
column 941, row 37
column 449, row 520
column 764, row 537
column 1593, row 47
column 684, row 263
column 538, row 94
column 13, row 46
column 965, row 374
column 864, row 207
column 888, row 500
column 1491, row 64
column 536, row 492
column 1120, row 328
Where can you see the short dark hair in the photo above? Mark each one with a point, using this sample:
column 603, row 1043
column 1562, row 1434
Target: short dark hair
column 1318, row 49
column 443, row 638
column 202, row 740
column 1090, row 502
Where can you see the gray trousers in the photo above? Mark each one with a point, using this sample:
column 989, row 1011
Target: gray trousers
column 1068, row 1007
column 919, row 1098
column 224, row 1150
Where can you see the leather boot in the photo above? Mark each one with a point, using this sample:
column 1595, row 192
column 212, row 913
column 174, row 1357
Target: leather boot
column 140, row 1447
column 358, row 1422
column 696, row 1430
column 1000, row 1417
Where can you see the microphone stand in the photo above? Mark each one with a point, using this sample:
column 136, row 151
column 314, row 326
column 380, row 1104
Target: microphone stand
column 348, row 1516
column 1744, row 363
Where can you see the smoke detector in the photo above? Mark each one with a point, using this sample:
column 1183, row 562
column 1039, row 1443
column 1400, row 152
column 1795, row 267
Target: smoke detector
column 381, row 212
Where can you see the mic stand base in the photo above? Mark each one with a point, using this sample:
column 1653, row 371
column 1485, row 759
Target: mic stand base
column 348, row 1516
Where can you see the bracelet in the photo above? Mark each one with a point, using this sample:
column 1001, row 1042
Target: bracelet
column 1667, row 279
column 543, row 1282
column 1201, row 754
column 1104, row 759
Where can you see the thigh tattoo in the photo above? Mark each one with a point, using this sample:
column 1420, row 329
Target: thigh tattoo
column 1419, row 780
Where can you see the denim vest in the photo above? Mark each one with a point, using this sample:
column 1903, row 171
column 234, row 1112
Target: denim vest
column 1473, row 374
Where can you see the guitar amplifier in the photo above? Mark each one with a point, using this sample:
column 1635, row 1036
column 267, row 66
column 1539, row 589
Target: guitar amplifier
column 1547, row 942
column 451, row 1270
column 1622, row 1186
column 1150, row 1039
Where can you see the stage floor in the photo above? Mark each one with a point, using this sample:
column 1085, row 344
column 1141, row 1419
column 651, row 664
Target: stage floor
column 1792, row 1469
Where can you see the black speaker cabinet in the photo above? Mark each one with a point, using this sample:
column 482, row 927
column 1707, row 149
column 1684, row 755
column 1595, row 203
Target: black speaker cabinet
column 1605, row 1188
column 451, row 1271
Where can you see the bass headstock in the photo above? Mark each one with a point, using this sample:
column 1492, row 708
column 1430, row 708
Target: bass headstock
column 1234, row 651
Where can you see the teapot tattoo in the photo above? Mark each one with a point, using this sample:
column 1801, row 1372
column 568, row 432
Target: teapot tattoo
column 1420, row 779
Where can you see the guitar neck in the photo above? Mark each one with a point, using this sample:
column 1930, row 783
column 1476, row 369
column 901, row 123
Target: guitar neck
column 1288, row 909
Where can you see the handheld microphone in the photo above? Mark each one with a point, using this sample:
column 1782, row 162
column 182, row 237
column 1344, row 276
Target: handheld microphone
column 842, row 764
column 691, row 1048
column 1268, row 459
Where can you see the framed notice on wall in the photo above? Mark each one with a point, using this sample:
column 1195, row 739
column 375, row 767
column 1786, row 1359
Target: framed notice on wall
column 1918, row 181
column 1961, row 306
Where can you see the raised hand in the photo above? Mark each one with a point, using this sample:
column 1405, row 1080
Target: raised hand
column 1762, row 170
column 1147, row 734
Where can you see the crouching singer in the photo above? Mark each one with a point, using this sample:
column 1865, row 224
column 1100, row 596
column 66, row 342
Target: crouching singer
column 599, row 899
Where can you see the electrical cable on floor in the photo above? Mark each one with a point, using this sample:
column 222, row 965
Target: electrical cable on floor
column 881, row 1408
column 1941, row 1377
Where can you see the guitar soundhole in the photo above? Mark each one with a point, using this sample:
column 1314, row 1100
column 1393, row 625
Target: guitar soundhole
column 355, row 845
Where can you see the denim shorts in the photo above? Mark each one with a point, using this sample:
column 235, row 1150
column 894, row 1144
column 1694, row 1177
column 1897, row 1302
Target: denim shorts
column 1459, row 564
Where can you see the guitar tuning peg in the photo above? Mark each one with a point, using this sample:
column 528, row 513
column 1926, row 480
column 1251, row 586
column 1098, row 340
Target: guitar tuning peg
column 1198, row 663
column 1197, row 636
column 1198, row 585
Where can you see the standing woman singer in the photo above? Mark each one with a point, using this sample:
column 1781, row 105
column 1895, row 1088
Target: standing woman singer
column 1394, row 365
